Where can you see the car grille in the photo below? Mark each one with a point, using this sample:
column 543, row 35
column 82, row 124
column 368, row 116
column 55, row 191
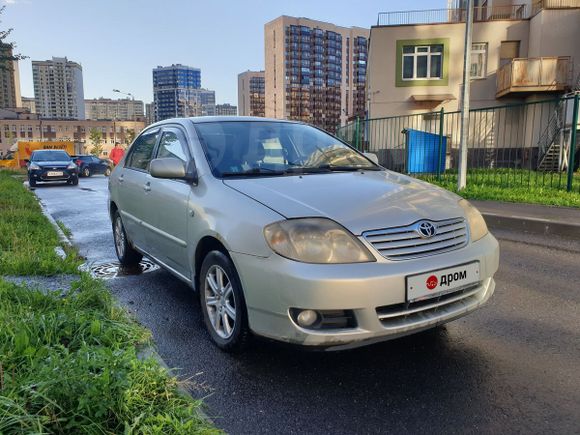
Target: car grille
column 402, row 243
column 395, row 316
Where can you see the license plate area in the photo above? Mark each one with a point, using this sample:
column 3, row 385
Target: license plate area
column 54, row 174
column 438, row 282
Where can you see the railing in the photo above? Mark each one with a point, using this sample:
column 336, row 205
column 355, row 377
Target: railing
column 505, row 144
column 457, row 15
column 538, row 5
column 534, row 74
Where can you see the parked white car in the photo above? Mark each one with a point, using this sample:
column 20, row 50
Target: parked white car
column 288, row 233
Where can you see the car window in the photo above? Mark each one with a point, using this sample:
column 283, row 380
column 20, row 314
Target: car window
column 141, row 151
column 172, row 145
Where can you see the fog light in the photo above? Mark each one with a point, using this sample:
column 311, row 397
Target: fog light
column 307, row 318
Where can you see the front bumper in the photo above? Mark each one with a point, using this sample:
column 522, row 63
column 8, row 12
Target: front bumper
column 375, row 292
column 41, row 175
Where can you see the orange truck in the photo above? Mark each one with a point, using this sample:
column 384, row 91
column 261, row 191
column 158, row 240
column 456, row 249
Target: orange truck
column 17, row 158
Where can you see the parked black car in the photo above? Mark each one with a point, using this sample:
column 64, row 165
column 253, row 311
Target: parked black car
column 91, row 165
column 51, row 165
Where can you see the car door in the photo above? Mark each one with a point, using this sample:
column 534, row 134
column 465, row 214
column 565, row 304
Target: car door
column 98, row 166
column 169, row 200
column 134, row 189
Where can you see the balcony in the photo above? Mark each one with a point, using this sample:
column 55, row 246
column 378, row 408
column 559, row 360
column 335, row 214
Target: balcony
column 537, row 74
column 451, row 16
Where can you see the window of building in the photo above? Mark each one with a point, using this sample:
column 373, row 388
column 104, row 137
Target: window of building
column 478, row 60
column 508, row 51
column 419, row 62
column 422, row 62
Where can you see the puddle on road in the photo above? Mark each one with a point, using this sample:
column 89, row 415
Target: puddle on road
column 114, row 269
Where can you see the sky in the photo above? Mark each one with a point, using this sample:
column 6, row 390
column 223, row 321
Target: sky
column 119, row 42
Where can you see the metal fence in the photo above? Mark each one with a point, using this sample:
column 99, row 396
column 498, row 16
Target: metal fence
column 531, row 144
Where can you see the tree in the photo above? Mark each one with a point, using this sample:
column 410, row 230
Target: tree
column 95, row 136
column 7, row 55
column 129, row 136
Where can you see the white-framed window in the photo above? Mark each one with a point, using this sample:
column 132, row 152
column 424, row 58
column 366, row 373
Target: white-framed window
column 423, row 62
column 478, row 68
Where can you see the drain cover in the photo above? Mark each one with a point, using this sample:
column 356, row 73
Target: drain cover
column 115, row 269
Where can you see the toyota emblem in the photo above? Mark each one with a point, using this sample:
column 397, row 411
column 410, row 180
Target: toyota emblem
column 426, row 229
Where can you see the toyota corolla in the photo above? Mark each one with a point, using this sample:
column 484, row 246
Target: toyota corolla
column 288, row 233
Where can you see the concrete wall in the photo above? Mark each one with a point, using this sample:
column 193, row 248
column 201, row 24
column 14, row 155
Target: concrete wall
column 389, row 100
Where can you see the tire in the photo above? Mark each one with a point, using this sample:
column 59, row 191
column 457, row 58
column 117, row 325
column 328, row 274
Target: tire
column 31, row 182
column 226, row 299
column 74, row 181
column 126, row 254
column 107, row 172
column 86, row 172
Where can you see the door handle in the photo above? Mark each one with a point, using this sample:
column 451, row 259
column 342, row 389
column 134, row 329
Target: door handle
column 147, row 187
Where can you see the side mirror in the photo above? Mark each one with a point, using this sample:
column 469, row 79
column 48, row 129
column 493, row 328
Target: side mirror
column 172, row 168
column 372, row 157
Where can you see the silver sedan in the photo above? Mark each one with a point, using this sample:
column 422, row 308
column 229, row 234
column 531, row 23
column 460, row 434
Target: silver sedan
column 288, row 233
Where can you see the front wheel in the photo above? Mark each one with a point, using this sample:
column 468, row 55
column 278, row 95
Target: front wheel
column 73, row 181
column 31, row 182
column 107, row 172
column 126, row 254
column 222, row 302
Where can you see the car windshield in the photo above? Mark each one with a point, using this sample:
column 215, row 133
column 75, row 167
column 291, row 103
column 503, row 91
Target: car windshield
column 262, row 148
column 49, row 156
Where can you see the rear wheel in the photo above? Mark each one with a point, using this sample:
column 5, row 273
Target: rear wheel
column 222, row 302
column 86, row 172
column 126, row 254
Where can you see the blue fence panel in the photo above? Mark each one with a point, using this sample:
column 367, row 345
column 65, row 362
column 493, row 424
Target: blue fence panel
column 423, row 152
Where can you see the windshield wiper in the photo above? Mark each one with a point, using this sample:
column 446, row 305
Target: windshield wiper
column 331, row 168
column 253, row 172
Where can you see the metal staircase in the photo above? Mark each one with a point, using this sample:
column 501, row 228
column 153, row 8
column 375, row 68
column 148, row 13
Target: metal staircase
column 553, row 145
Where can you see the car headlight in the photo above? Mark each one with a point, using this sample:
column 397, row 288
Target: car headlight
column 315, row 240
column 477, row 225
column 71, row 166
column 33, row 166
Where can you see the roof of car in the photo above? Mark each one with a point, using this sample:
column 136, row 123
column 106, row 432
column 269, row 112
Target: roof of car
column 204, row 119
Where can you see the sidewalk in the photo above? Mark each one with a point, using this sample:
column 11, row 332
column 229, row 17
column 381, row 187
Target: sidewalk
column 531, row 218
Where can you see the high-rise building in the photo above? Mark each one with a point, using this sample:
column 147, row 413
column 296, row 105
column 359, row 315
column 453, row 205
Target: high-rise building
column 9, row 79
column 175, row 91
column 315, row 71
column 206, row 98
column 251, row 93
column 58, row 88
column 29, row 104
column 226, row 110
column 107, row 108
column 149, row 113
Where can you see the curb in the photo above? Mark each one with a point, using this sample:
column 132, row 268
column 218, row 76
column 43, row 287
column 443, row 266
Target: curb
column 151, row 352
column 61, row 236
column 532, row 225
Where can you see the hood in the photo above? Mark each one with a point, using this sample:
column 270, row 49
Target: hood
column 358, row 201
column 57, row 163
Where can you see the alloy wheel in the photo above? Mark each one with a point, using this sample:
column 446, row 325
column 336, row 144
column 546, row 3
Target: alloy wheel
column 119, row 238
column 220, row 301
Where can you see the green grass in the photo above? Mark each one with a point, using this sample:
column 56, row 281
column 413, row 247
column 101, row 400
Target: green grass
column 66, row 231
column 27, row 239
column 69, row 365
column 513, row 186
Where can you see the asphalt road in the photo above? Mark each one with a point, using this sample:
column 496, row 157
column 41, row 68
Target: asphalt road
column 513, row 366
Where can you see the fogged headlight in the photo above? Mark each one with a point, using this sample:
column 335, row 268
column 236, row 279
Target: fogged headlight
column 315, row 240
column 33, row 166
column 71, row 166
column 477, row 226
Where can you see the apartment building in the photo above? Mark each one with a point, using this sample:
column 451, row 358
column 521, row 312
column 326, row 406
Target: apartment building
column 21, row 126
column 149, row 113
column 226, row 110
column 109, row 109
column 521, row 51
column 9, row 79
column 251, row 93
column 315, row 71
column 58, row 88
column 175, row 91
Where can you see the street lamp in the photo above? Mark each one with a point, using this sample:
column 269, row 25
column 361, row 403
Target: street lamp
column 128, row 94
